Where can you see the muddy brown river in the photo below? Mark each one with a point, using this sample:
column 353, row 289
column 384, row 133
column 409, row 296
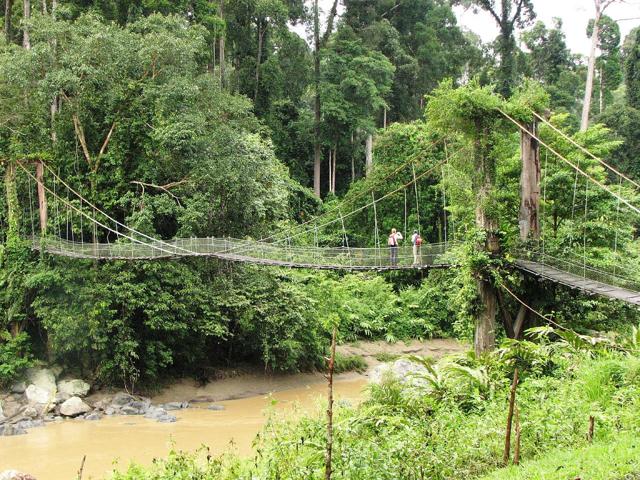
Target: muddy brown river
column 54, row 452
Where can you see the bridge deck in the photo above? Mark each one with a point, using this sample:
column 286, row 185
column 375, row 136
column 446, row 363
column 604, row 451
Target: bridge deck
column 581, row 283
column 256, row 252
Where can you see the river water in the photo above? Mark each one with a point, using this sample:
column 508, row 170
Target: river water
column 54, row 452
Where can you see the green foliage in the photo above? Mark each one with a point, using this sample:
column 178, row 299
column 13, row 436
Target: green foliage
column 14, row 356
column 349, row 363
column 453, row 425
column 611, row 460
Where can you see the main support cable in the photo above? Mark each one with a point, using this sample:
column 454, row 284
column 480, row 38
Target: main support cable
column 571, row 140
column 569, row 162
column 83, row 214
column 116, row 222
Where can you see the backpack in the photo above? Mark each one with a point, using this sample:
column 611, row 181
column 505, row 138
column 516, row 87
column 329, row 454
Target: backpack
column 418, row 241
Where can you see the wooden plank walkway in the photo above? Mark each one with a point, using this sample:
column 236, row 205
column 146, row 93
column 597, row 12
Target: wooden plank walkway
column 580, row 283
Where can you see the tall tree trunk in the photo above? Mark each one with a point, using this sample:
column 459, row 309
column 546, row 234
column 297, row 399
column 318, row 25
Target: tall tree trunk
column 330, row 166
column 588, row 90
column 485, row 170
column 333, row 169
column 368, row 154
column 261, row 29
column 54, row 103
column 26, row 13
column 42, row 198
column 529, row 184
column 316, row 127
column 11, row 192
column 8, row 5
column 329, row 448
column 221, row 46
column 601, row 89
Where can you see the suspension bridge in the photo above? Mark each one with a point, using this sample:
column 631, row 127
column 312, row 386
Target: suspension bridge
column 67, row 238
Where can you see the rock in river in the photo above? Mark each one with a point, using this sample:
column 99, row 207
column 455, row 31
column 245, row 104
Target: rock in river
column 42, row 378
column 15, row 475
column 73, row 388
column 38, row 395
column 74, row 407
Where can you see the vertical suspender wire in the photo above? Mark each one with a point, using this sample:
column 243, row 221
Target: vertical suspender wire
column 346, row 238
column 315, row 242
column 33, row 227
column 376, row 232
column 70, row 215
column 615, row 239
column 544, row 203
column 573, row 204
column 405, row 211
column 444, row 209
column 446, row 164
column 81, row 229
column 584, row 231
column 55, row 199
column 415, row 188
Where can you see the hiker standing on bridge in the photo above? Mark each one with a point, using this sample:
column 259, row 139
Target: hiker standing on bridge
column 394, row 239
column 416, row 241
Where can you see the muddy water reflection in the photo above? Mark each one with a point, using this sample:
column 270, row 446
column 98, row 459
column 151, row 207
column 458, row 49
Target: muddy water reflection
column 55, row 451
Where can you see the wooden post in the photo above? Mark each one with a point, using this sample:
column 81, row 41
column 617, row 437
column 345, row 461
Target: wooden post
column 516, row 452
column 329, row 450
column 512, row 402
column 529, row 184
column 592, row 424
column 42, row 197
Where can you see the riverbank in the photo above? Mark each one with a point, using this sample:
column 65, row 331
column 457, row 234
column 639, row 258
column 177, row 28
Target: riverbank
column 241, row 404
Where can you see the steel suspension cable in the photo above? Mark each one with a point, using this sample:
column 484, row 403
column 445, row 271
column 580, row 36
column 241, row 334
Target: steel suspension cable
column 415, row 188
column 83, row 214
column 569, row 162
column 116, row 222
column 571, row 140
column 412, row 159
column 393, row 192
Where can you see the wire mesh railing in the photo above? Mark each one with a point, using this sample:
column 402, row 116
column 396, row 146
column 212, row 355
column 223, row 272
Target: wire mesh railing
column 252, row 251
column 582, row 270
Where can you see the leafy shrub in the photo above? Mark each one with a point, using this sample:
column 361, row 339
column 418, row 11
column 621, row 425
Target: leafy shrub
column 349, row 363
column 14, row 356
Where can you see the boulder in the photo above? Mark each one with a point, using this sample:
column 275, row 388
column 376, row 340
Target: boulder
column 175, row 405
column 93, row 416
column 10, row 430
column 61, row 397
column 167, row 419
column 30, row 412
column 1, row 412
column 39, row 395
column 18, row 387
column 74, row 407
column 15, row 475
column 403, row 370
column 73, row 388
column 26, row 424
column 215, row 407
column 121, row 399
column 42, row 378
column 154, row 413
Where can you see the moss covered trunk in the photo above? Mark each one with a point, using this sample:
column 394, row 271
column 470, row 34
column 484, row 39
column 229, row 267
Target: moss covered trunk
column 484, row 179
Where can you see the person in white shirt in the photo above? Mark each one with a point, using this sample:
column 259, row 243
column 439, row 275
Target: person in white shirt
column 416, row 241
column 394, row 239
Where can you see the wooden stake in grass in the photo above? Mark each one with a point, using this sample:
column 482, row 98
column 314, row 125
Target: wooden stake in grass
column 329, row 376
column 592, row 424
column 512, row 401
column 516, row 452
